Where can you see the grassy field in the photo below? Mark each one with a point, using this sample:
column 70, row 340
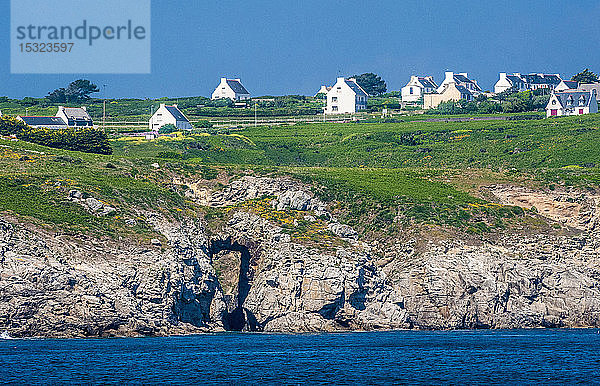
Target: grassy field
column 384, row 176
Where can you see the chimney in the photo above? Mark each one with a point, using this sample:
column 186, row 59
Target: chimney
column 449, row 76
column 503, row 76
column 162, row 105
column 340, row 79
column 223, row 80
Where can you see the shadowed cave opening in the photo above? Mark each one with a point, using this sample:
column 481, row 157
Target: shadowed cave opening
column 235, row 280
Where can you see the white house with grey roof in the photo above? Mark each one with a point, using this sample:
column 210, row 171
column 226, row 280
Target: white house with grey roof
column 232, row 89
column 75, row 116
column 165, row 115
column 460, row 79
column 417, row 87
column 522, row 82
column 571, row 102
column 346, row 97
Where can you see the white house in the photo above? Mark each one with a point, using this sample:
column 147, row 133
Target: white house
column 165, row 115
column 49, row 122
column 346, row 97
column 522, row 82
column 567, row 85
column 323, row 90
column 460, row 79
column 572, row 102
column 451, row 92
column 232, row 89
column 417, row 87
column 590, row 87
column 75, row 116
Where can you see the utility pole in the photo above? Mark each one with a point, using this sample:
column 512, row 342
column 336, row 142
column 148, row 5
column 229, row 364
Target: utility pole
column 255, row 114
column 104, row 109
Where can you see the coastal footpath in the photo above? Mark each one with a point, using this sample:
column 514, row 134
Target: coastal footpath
column 247, row 273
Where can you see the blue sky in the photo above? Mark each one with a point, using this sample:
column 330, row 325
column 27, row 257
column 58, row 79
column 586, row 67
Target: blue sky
column 292, row 47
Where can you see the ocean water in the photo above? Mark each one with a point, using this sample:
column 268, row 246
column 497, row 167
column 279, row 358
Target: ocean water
column 407, row 357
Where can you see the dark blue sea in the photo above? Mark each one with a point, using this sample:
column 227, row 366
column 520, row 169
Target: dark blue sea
column 400, row 357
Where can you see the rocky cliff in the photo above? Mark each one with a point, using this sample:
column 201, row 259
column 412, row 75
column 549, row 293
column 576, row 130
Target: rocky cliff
column 255, row 272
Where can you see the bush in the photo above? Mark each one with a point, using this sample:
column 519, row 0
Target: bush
column 167, row 129
column 10, row 125
column 203, row 124
column 86, row 139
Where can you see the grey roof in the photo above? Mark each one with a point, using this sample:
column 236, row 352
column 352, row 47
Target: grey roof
column 355, row 87
column 571, row 83
column 77, row 113
column 427, row 82
column 463, row 89
column 564, row 97
column 513, row 79
column 458, row 78
column 550, row 79
column 237, row 87
column 44, row 121
column 175, row 112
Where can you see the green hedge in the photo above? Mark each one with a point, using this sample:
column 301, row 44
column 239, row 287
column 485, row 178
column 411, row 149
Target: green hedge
column 86, row 139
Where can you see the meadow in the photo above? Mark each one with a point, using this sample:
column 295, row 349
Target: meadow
column 385, row 177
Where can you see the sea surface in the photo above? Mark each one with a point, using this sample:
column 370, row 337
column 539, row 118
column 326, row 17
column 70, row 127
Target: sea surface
column 406, row 357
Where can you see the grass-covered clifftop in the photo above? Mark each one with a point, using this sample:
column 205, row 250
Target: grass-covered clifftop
column 385, row 177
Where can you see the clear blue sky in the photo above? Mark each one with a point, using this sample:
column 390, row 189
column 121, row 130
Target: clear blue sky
column 292, row 47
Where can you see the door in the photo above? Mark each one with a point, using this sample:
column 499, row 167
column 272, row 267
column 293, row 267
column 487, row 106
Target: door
column 554, row 112
column 580, row 111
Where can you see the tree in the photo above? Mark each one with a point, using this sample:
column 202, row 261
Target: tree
column 76, row 92
column 371, row 83
column 585, row 76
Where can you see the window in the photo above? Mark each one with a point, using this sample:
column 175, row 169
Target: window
column 570, row 100
column 411, row 91
column 582, row 101
column 334, row 108
column 553, row 101
column 334, row 99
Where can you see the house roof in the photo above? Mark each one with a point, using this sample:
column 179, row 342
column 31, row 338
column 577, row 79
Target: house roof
column 44, row 121
column 236, row 86
column 459, row 78
column 574, row 97
column 77, row 113
column 550, row 79
column 571, row 83
column 514, row 79
column 463, row 89
column 176, row 113
column 427, row 82
column 355, row 87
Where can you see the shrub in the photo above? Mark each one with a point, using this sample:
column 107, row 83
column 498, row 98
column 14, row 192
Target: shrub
column 86, row 139
column 11, row 125
column 167, row 129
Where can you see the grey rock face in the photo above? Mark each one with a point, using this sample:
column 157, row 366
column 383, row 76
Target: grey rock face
column 253, row 275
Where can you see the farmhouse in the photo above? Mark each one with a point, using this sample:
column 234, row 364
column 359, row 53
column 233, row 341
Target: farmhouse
column 451, row 92
column 49, row 122
column 232, row 89
column 323, row 90
column 567, row 85
column 460, row 79
column 417, row 87
column 74, row 116
column 346, row 97
column 572, row 102
column 165, row 115
column 521, row 82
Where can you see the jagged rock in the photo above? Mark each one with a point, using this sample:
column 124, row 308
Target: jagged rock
column 93, row 204
column 342, row 230
column 155, row 242
column 57, row 286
